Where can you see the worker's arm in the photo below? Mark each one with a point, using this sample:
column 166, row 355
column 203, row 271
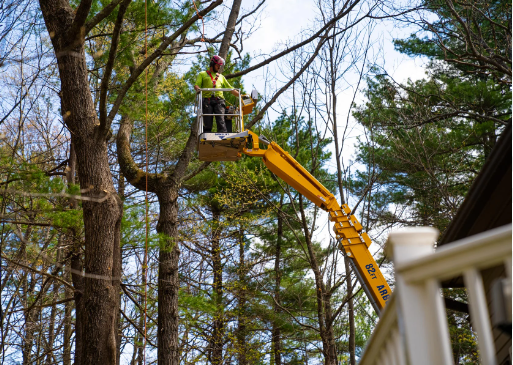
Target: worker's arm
column 347, row 229
column 199, row 83
column 226, row 85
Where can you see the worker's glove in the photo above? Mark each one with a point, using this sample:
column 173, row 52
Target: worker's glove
column 230, row 110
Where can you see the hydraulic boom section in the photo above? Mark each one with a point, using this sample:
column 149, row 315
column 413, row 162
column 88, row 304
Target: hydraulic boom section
column 347, row 229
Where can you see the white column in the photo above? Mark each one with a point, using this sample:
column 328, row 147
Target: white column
column 479, row 316
column 420, row 305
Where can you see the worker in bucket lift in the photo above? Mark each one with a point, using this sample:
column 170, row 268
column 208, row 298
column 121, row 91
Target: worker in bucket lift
column 214, row 104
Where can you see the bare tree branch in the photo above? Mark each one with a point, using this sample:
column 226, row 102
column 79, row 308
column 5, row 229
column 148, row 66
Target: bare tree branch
column 77, row 31
column 287, row 85
column 110, row 64
column 40, row 272
column 105, row 12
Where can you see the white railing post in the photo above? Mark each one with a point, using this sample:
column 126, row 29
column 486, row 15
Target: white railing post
column 420, row 304
column 241, row 120
column 479, row 315
column 199, row 112
column 414, row 321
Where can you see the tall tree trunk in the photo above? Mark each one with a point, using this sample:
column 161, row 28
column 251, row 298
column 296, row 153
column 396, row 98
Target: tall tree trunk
column 140, row 339
column 350, row 310
column 68, row 331
column 338, row 157
column 230, row 28
column 324, row 313
column 51, row 327
column 276, row 330
column 217, row 339
column 242, row 358
column 349, row 284
column 29, row 322
column 102, row 215
column 168, row 349
column 330, row 335
column 76, row 265
column 102, row 223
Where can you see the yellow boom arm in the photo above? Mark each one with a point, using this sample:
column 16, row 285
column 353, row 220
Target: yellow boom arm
column 347, row 229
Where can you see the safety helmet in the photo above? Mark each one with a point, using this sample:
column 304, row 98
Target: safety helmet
column 216, row 60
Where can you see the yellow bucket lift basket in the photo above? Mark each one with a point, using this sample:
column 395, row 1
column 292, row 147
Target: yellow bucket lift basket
column 222, row 146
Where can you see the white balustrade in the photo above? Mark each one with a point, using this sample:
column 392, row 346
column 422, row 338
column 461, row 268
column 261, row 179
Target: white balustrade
column 413, row 327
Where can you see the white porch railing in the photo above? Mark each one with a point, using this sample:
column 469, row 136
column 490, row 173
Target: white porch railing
column 413, row 327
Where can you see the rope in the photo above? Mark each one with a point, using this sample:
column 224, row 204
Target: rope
column 145, row 259
column 202, row 21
